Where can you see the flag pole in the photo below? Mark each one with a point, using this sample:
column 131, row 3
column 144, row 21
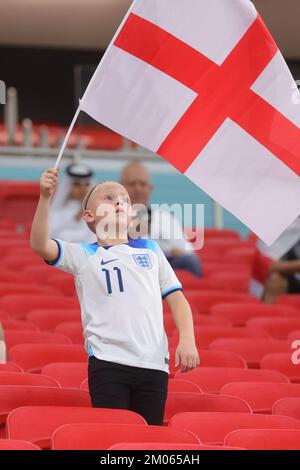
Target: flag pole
column 89, row 85
column 62, row 149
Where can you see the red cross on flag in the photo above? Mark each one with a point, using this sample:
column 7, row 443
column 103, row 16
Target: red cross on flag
column 203, row 84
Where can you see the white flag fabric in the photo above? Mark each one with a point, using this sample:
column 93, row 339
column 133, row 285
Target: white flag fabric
column 203, row 84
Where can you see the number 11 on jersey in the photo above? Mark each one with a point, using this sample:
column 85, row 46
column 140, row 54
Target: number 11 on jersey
column 108, row 279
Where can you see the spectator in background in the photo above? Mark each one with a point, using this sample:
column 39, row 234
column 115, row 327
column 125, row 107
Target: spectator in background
column 136, row 179
column 284, row 275
column 66, row 209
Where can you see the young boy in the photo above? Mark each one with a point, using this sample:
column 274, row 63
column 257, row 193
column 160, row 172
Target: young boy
column 120, row 283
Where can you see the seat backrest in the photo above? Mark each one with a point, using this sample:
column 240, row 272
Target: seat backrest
column 178, row 402
column 102, row 436
column 265, row 439
column 212, row 379
column 261, row 396
column 252, row 349
column 210, row 358
column 14, row 337
column 166, row 446
column 13, row 396
column 19, row 305
column 287, row 407
column 15, row 378
column 277, row 327
column 68, row 374
column 11, row 324
column 41, row 430
column 33, row 357
column 177, row 385
column 213, row 427
column 48, row 319
column 282, row 362
column 240, row 312
column 8, row 444
column 10, row 367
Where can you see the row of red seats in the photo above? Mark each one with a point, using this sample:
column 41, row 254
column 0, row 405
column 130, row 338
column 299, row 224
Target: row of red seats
column 92, row 138
column 72, row 424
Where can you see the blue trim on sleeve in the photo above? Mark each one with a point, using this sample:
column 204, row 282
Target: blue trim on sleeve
column 170, row 291
column 59, row 256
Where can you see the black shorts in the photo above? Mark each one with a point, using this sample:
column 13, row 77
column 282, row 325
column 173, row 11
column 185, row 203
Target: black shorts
column 137, row 389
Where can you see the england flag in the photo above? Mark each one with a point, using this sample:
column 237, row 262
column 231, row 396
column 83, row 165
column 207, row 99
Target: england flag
column 203, row 84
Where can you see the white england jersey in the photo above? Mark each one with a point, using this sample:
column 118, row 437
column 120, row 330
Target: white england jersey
column 120, row 290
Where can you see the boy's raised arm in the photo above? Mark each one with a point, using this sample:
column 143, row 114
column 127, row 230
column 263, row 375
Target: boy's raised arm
column 39, row 236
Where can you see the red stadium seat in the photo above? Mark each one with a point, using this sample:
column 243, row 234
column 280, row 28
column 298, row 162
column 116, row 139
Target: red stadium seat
column 217, row 233
column 40, row 430
column 63, row 283
column 11, row 277
column 16, row 262
column 103, row 436
column 289, row 299
column 10, row 367
column 176, row 385
column 165, row 446
column 10, row 324
column 19, row 199
column 264, row 439
column 15, row 378
column 3, row 315
column 41, row 274
column 7, row 224
column 15, row 337
column 8, row 288
column 85, row 385
column 48, row 319
column 233, row 282
column 294, row 335
column 33, row 357
column 282, row 362
column 8, row 444
column 72, row 330
column 252, row 349
column 210, row 358
column 287, row 407
column 67, row 374
column 206, row 300
column 14, row 396
column 212, row 428
column 205, row 335
column 212, row 379
column 20, row 305
column 277, row 327
column 199, row 320
column 239, row 313
column 240, row 254
column 212, row 267
column 179, row 402
column 209, row 320
column 261, row 396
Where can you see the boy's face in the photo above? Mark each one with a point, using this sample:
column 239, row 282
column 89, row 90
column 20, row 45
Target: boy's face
column 108, row 210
